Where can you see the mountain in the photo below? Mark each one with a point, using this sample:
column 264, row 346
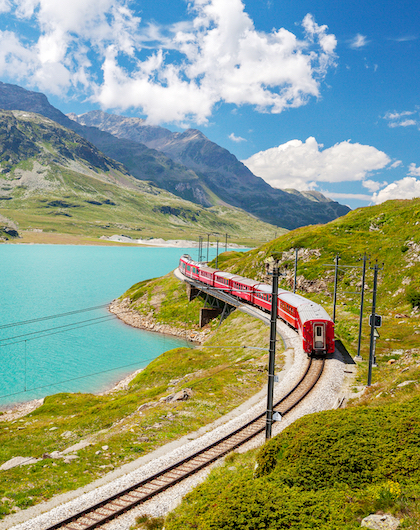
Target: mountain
column 186, row 164
column 54, row 180
column 140, row 161
column 221, row 172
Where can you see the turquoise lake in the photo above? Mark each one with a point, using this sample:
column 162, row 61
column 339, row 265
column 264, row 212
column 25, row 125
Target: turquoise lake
column 89, row 355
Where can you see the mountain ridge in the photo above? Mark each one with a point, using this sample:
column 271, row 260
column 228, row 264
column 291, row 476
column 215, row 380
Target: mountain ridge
column 197, row 169
column 54, row 180
column 221, row 171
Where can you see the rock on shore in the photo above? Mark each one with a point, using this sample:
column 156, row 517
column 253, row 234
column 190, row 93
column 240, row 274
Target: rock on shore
column 121, row 309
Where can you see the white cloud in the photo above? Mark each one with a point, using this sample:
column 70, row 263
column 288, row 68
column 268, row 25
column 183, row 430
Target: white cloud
column 372, row 185
column 399, row 119
column 395, row 164
column 69, row 33
column 357, row 196
column 414, row 171
column 403, row 123
column 236, row 139
column 301, row 165
column 4, row 6
column 359, row 41
column 406, row 38
column 406, row 188
column 171, row 73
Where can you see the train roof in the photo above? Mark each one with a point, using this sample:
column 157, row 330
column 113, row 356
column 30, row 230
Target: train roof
column 293, row 299
column 207, row 269
column 312, row 311
column 263, row 288
column 245, row 281
column 227, row 275
column 188, row 258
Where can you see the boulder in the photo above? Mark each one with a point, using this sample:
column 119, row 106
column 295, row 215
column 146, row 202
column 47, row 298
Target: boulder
column 18, row 461
column 182, row 395
column 381, row 522
column 405, row 383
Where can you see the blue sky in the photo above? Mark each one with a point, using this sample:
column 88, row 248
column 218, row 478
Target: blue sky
column 310, row 95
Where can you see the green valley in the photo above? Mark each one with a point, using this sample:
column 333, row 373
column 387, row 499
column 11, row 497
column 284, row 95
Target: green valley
column 54, row 181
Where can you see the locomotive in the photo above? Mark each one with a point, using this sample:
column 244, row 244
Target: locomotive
column 310, row 320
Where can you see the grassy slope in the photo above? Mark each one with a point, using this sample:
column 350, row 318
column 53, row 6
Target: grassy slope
column 328, row 471
column 54, row 180
column 220, row 378
column 134, row 212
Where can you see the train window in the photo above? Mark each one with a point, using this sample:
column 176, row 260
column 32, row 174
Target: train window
column 318, row 331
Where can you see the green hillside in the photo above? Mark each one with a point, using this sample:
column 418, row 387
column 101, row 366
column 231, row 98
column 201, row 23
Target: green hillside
column 136, row 420
column 52, row 179
column 389, row 233
column 328, row 471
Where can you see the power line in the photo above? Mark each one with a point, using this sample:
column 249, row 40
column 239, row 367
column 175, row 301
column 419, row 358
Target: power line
column 77, row 378
column 58, row 315
column 238, row 361
column 66, row 327
column 52, row 329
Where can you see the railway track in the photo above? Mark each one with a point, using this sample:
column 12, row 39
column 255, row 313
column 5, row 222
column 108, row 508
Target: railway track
column 114, row 506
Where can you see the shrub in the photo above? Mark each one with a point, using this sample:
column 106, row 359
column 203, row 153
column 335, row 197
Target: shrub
column 146, row 522
column 413, row 296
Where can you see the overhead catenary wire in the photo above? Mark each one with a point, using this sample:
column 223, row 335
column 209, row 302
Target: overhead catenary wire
column 58, row 315
column 70, row 327
column 77, row 378
column 211, row 376
column 67, row 327
column 49, row 317
column 52, row 329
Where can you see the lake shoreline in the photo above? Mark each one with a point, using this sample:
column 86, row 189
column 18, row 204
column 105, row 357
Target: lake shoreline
column 121, row 309
column 29, row 237
column 49, row 282
column 12, row 412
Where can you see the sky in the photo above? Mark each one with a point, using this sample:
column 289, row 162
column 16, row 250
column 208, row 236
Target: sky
column 319, row 95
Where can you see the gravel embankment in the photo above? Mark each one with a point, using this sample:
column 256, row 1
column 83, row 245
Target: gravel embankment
column 324, row 396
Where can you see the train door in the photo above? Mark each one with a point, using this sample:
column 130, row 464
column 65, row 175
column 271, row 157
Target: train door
column 319, row 337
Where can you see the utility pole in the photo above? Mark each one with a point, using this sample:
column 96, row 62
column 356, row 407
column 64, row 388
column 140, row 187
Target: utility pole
column 335, row 283
column 217, row 252
column 362, row 299
column 296, row 263
column 372, row 328
column 208, row 245
column 25, row 365
column 226, row 238
column 272, row 352
column 199, row 248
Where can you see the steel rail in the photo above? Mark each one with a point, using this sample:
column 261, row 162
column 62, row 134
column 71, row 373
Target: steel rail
column 123, row 501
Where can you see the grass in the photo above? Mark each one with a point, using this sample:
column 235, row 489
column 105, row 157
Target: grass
column 326, row 471
column 330, row 470
column 221, row 374
column 134, row 213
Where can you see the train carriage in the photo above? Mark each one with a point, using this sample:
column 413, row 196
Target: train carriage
column 189, row 267
column 243, row 288
column 311, row 320
column 262, row 296
column 222, row 280
column 206, row 275
column 287, row 307
column 316, row 329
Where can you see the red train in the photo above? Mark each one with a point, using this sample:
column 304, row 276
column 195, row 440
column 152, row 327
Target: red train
column 313, row 323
